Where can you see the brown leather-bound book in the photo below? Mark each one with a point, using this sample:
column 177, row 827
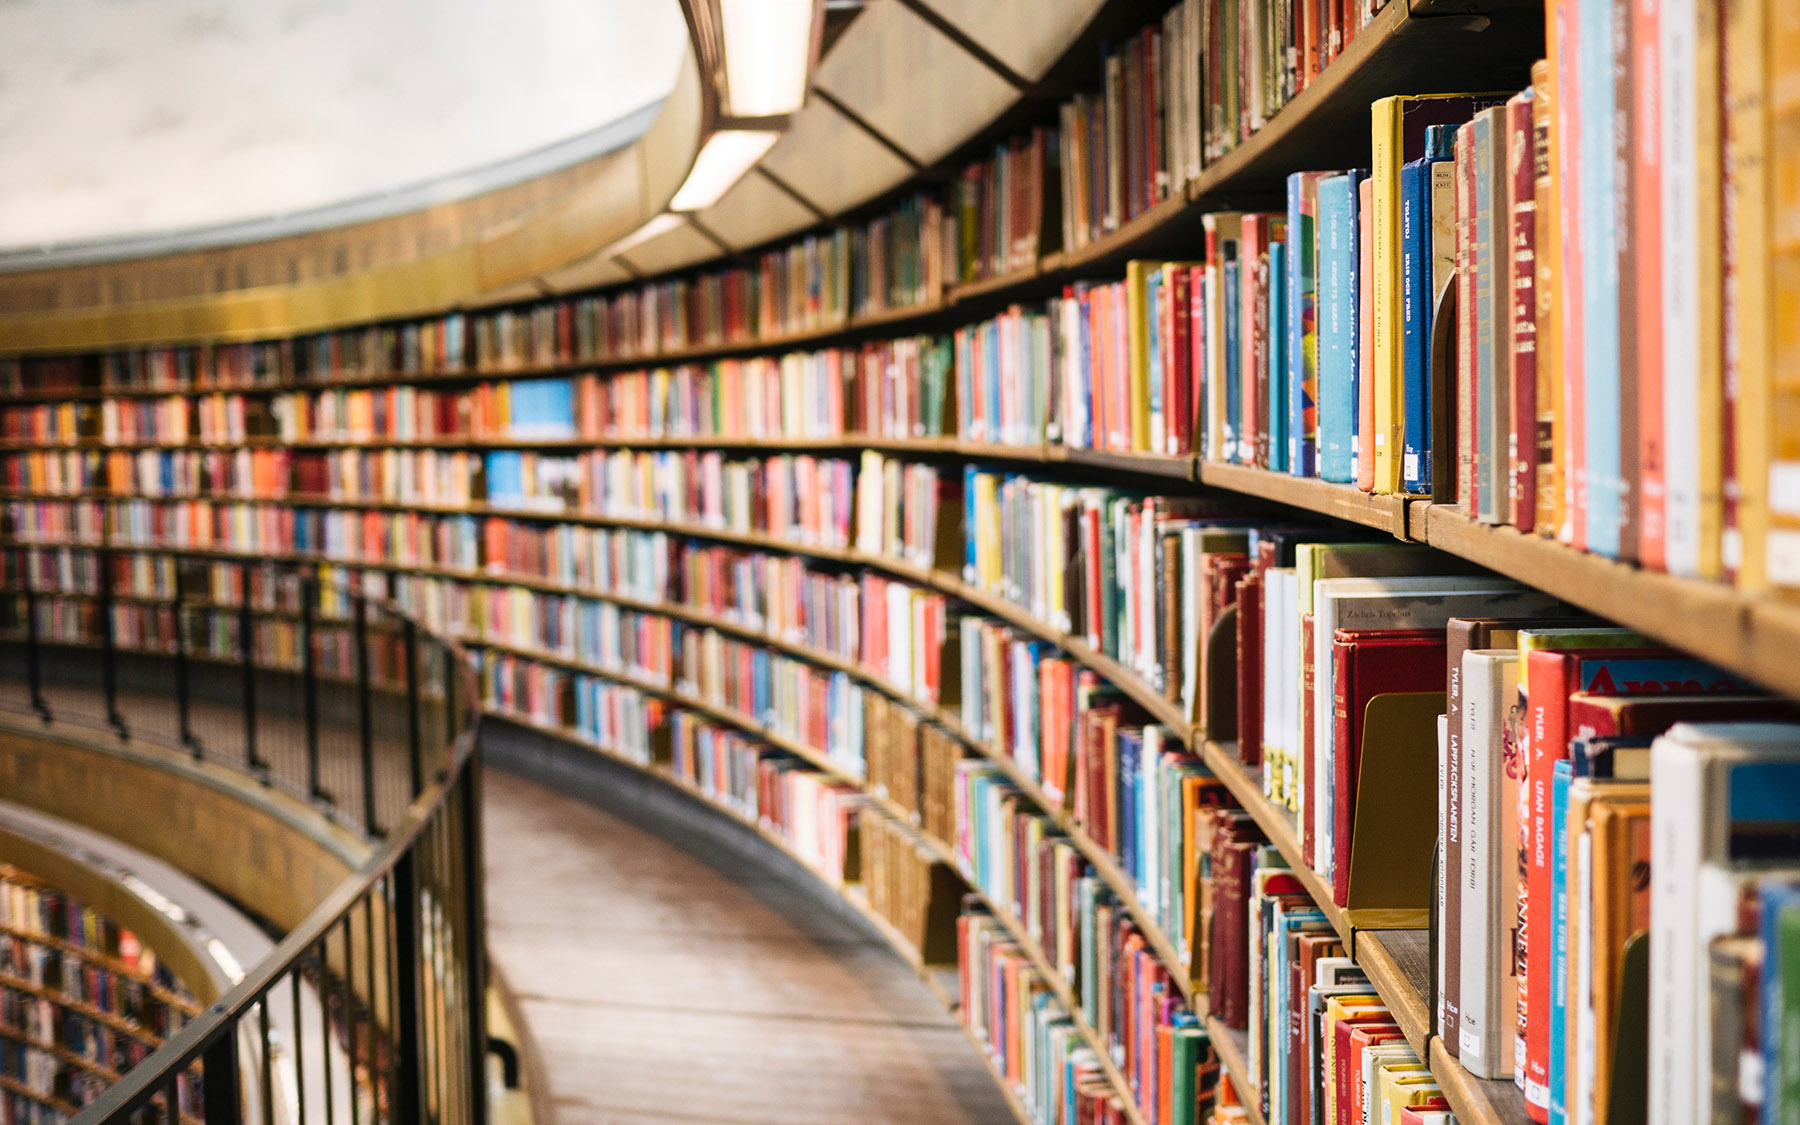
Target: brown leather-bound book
column 1168, row 622
column 1234, row 851
column 1367, row 664
column 1249, row 662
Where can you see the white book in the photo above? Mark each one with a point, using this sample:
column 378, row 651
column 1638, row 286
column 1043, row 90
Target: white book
column 1449, row 858
column 1676, row 24
column 1690, row 827
column 1389, row 603
column 1488, row 866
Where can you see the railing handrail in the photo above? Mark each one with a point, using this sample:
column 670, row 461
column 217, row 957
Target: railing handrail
column 185, row 1047
column 395, row 846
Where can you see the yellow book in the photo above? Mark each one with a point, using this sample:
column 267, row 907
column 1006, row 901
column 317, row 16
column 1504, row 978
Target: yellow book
column 1137, row 350
column 1782, row 554
column 1407, row 1089
column 1397, row 136
column 1337, row 1009
column 1749, row 153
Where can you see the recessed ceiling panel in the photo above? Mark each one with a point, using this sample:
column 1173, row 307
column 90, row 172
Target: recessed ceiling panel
column 912, row 82
column 1026, row 35
column 831, row 161
column 681, row 246
column 123, row 118
column 754, row 212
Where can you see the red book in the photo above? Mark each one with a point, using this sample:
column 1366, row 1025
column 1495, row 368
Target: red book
column 1645, row 279
column 1346, row 1075
column 1367, row 664
column 1522, row 438
column 1233, row 857
column 1178, row 357
column 1598, row 716
column 1249, row 662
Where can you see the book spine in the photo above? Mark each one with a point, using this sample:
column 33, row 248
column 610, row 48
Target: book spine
column 1648, row 178
column 1567, row 152
column 1337, row 328
column 1467, row 373
column 1599, row 238
column 1488, row 271
column 1386, row 374
column 1779, row 484
column 1367, row 375
column 1522, row 445
column 1415, row 326
column 1485, row 1047
column 1547, row 352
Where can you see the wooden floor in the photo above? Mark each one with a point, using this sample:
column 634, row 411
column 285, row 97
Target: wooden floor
column 699, row 982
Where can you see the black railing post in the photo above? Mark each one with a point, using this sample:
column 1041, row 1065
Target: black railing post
column 109, row 672
column 34, row 677
column 410, row 635
column 408, row 1099
column 222, row 1086
column 247, row 662
column 181, row 681
column 364, row 716
column 475, row 929
column 309, row 679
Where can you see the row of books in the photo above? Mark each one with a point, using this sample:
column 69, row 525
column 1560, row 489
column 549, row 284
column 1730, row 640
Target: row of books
column 82, row 1000
column 911, row 763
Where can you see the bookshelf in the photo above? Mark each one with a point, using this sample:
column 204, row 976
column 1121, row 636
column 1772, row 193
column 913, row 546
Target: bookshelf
column 1418, row 48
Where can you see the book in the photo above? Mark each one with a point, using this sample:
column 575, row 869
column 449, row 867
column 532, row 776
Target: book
column 1485, row 865
column 1339, row 351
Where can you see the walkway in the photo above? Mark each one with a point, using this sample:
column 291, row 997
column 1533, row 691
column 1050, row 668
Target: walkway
column 694, row 981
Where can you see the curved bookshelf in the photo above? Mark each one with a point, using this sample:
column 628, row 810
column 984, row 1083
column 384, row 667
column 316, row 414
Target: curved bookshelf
column 1403, row 49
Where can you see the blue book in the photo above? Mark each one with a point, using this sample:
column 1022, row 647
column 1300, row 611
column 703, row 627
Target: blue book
column 970, row 570
column 1293, row 373
column 542, row 408
column 1416, row 306
column 1130, row 753
column 1601, row 225
column 1278, row 357
column 1559, row 937
column 505, row 477
column 1234, row 354
column 1338, row 280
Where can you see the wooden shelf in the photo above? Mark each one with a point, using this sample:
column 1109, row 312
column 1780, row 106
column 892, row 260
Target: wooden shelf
column 102, row 961
column 82, row 1008
column 1399, row 963
column 1338, row 501
column 62, row 1054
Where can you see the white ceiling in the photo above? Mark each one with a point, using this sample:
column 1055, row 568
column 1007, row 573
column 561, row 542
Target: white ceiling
column 123, row 118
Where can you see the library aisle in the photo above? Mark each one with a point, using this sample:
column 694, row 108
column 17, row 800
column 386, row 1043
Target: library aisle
column 670, row 975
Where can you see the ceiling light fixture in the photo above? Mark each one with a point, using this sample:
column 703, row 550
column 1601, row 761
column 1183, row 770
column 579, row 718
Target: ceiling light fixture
column 768, row 51
column 723, row 160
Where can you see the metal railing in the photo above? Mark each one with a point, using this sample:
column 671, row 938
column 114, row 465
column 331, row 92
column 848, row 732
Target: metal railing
column 371, row 1010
